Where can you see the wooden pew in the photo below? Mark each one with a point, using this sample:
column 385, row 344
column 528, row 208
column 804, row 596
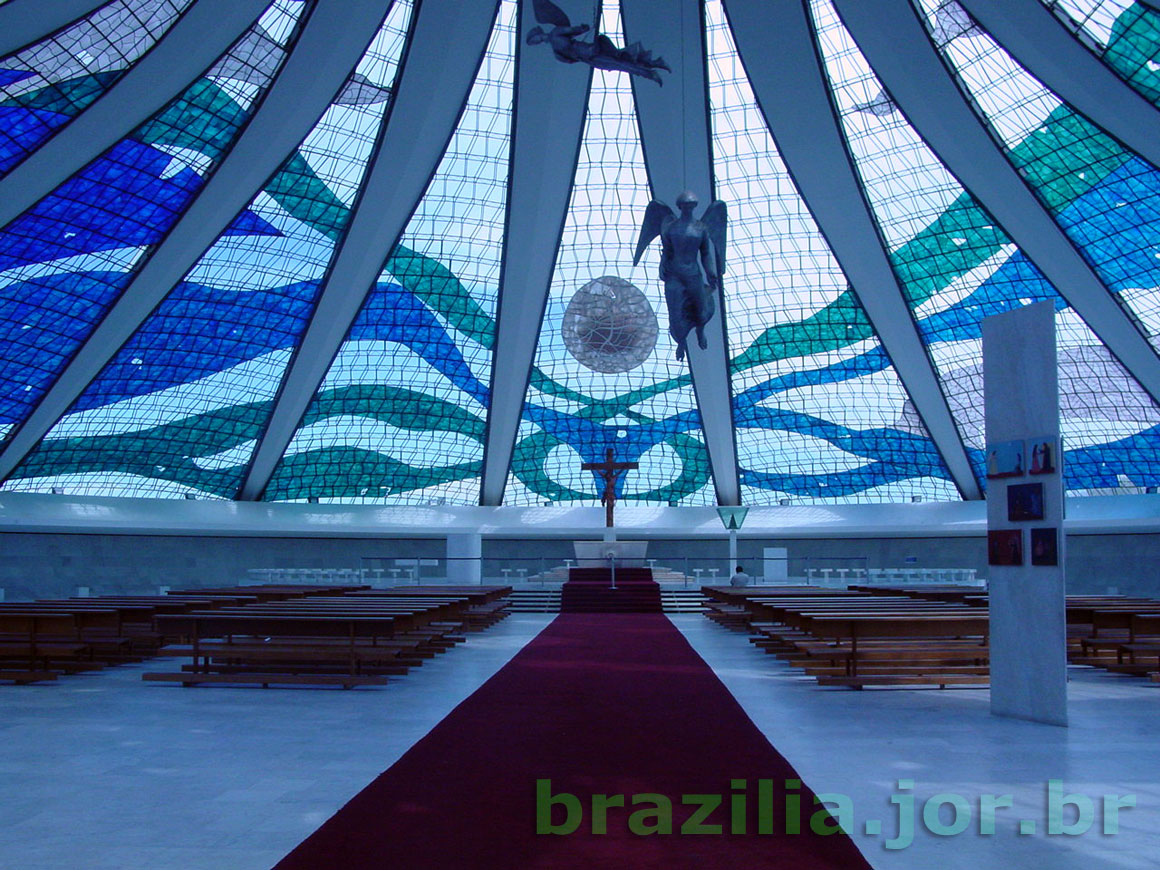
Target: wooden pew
column 857, row 629
column 1097, row 628
column 1140, row 654
column 859, row 639
column 782, row 623
column 347, row 640
column 295, row 636
column 34, row 645
column 733, row 608
column 957, row 593
column 435, row 621
column 487, row 603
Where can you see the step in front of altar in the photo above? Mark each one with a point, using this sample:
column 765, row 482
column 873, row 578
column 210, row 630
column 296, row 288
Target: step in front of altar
column 592, row 590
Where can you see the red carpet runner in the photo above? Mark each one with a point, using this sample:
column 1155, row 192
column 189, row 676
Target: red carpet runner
column 608, row 704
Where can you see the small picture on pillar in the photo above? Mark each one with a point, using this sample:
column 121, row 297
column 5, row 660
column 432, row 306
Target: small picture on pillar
column 1044, row 547
column 1025, row 502
column 1005, row 459
column 1005, row 547
column 1041, row 453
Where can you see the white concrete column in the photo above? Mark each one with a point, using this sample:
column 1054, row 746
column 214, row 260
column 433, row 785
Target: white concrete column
column 465, row 559
column 675, row 135
column 776, row 564
column 1028, row 614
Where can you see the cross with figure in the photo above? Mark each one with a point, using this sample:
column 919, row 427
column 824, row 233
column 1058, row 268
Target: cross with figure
column 610, row 471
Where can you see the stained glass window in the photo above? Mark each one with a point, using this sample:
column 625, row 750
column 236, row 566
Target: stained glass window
column 1103, row 196
column 400, row 416
column 180, row 406
column 820, row 411
column 65, row 261
column 958, row 266
column 573, row 412
column 1122, row 33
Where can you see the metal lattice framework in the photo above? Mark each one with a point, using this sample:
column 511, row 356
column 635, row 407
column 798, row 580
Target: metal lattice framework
column 288, row 249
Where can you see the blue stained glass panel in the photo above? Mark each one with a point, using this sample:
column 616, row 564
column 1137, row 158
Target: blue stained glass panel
column 574, row 412
column 957, row 266
column 47, row 84
column 399, row 417
column 198, row 377
column 820, row 412
column 66, row 260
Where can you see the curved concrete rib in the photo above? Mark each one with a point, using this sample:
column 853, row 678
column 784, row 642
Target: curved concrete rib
column 548, row 120
column 23, row 22
column 1037, row 40
column 776, row 44
column 674, row 126
column 189, row 48
column 896, row 46
column 334, row 40
column 448, row 40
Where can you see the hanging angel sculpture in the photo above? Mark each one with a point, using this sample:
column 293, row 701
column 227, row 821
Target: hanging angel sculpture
column 692, row 262
column 600, row 53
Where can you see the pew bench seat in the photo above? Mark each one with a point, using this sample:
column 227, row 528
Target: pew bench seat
column 23, row 677
column 942, row 680
column 895, row 670
column 305, row 664
column 265, row 680
column 303, row 652
column 40, row 655
column 970, row 655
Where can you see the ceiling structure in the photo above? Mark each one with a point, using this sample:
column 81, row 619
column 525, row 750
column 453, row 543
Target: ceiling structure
column 282, row 250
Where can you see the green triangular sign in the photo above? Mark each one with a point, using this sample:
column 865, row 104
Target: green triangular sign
column 732, row 517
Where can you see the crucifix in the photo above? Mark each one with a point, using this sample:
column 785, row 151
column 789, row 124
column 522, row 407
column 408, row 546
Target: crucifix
column 609, row 470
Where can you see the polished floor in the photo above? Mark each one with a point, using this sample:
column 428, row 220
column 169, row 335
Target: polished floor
column 104, row 771
column 860, row 744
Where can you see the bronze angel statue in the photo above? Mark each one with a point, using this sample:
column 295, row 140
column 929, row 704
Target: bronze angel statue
column 600, row 53
column 692, row 262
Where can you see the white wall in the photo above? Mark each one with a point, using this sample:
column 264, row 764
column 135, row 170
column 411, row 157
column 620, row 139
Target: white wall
column 44, row 565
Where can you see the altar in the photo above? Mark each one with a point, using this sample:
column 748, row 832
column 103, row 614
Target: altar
column 625, row 554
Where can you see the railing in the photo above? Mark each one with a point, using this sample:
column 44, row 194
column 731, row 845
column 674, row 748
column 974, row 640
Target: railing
column 544, row 572
column 684, row 571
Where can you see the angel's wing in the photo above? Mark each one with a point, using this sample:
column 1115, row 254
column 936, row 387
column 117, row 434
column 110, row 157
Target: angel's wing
column 716, row 219
column 655, row 217
column 549, row 13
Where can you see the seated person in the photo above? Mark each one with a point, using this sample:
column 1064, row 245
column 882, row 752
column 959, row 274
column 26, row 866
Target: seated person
column 739, row 578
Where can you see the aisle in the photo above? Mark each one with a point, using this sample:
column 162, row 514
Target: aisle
column 598, row 704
